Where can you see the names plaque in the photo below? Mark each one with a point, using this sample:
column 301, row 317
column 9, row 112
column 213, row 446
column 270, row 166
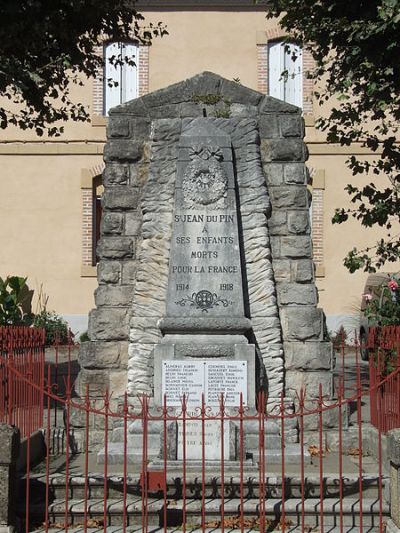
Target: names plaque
column 211, row 378
column 194, row 439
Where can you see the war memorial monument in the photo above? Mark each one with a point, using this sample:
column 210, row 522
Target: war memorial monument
column 206, row 279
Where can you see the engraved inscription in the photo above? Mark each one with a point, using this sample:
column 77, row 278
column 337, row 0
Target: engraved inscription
column 205, row 258
column 212, row 378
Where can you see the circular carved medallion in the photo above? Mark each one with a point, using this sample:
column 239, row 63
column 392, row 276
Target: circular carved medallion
column 204, row 299
column 204, row 182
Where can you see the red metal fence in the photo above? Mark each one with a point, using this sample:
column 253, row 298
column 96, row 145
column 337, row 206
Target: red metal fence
column 290, row 465
column 384, row 375
column 22, row 363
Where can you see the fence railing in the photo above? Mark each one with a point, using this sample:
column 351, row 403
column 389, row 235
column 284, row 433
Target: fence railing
column 297, row 464
column 22, row 354
column 287, row 465
column 384, row 376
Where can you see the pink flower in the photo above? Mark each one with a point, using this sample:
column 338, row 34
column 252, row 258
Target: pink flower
column 367, row 297
column 393, row 285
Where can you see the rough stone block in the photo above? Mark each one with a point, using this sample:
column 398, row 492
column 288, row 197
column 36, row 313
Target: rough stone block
column 299, row 246
column 205, row 83
column 290, row 196
column 109, row 271
column 269, row 127
column 140, row 128
column 191, row 110
column 282, row 270
column 103, row 354
column 283, row 150
column 123, row 150
column 302, row 270
column 272, row 105
column 129, row 271
column 239, row 94
column 118, row 382
column 133, row 107
column 394, row 446
column 308, row 355
column 275, row 243
column 112, row 296
column 295, row 173
column 273, row 173
column 115, row 174
column 145, row 330
column 173, row 94
column 133, row 223
column 301, row 323
column 112, row 223
column 95, row 381
column 292, row 126
column 309, row 382
column 9, row 444
column 116, row 247
column 296, row 294
column 242, row 110
column 277, row 222
column 117, row 127
column 109, row 324
column 165, row 111
column 121, row 198
column 298, row 222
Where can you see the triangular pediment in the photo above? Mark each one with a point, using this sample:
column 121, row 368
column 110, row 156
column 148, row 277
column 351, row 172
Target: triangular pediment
column 204, row 89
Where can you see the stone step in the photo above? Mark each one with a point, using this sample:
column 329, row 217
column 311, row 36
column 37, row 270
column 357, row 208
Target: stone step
column 273, row 456
column 191, row 529
column 212, row 484
column 212, row 510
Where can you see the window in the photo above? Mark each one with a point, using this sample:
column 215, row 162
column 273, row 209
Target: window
column 97, row 193
column 122, row 77
column 285, row 75
column 92, row 190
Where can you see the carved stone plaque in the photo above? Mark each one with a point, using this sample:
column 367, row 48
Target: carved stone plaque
column 205, row 277
column 194, row 433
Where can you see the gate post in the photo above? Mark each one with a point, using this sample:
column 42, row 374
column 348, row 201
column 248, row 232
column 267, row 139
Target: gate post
column 394, row 459
column 9, row 450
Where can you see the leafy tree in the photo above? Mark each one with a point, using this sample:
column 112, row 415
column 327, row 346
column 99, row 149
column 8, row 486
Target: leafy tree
column 48, row 46
column 355, row 45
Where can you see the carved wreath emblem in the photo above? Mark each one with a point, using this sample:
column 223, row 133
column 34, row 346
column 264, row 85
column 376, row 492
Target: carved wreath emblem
column 203, row 300
column 206, row 152
column 204, row 182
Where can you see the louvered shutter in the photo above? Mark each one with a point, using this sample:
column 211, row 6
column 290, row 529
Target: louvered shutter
column 275, row 69
column 130, row 73
column 112, row 95
column 294, row 82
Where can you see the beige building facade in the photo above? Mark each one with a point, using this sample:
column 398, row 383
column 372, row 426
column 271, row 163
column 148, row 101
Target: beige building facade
column 50, row 188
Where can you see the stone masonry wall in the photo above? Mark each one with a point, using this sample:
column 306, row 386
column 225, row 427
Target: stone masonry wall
column 307, row 357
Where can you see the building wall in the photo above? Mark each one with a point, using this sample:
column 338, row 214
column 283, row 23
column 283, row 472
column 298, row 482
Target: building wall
column 45, row 183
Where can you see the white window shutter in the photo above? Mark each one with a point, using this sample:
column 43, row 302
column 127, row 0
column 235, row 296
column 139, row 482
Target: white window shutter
column 130, row 73
column 112, row 95
column 294, row 82
column 275, row 69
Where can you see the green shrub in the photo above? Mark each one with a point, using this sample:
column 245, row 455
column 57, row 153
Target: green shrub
column 57, row 331
column 84, row 337
column 12, row 296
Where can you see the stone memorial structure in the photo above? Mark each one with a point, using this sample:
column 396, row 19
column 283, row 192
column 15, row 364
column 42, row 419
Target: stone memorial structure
column 206, row 279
